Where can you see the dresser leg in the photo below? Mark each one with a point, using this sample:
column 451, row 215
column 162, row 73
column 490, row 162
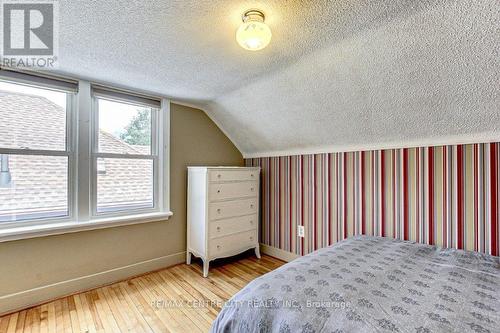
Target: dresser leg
column 205, row 267
column 188, row 258
column 257, row 252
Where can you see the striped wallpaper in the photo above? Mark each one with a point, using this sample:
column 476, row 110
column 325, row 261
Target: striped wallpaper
column 448, row 196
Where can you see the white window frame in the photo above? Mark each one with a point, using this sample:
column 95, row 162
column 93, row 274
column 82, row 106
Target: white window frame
column 69, row 153
column 81, row 169
column 155, row 156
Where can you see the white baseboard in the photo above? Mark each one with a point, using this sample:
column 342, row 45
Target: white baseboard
column 35, row 296
column 278, row 253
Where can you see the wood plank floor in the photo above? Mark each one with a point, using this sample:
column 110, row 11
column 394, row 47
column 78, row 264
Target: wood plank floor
column 176, row 299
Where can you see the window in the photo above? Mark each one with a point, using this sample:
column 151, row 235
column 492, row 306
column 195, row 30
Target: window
column 126, row 147
column 35, row 152
column 75, row 153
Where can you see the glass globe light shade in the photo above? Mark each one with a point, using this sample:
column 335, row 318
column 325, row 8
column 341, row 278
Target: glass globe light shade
column 253, row 34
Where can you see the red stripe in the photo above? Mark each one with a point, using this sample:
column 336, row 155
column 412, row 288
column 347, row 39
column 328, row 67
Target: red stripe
column 417, row 206
column 290, row 200
column 337, row 175
column 302, row 200
column 329, row 199
column 405, row 194
column 315, row 201
column 354, row 203
column 445, row 202
column 373, row 192
column 494, row 198
column 265, row 226
column 268, row 200
column 345, row 195
column 394, row 217
column 363, row 228
column 460, row 197
column 273, row 198
column 372, row 165
column 476, row 238
column 431, row 195
column 265, row 201
column 278, row 202
column 382, row 194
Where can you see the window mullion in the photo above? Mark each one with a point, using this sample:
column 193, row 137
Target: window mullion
column 155, row 141
column 163, row 126
column 126, row 156
column 84, row 160
column 35, row 152
column 71, row 141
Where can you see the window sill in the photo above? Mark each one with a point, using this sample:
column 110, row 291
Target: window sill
column 49, row 229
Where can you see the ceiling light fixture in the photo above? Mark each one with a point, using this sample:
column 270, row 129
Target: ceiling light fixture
column 253, row 34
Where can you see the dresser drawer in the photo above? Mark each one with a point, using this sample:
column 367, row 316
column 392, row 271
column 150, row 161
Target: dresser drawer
column 232, row 175
column 225, row 209
column 231, row 226
column 232, row 244
column 221, row 191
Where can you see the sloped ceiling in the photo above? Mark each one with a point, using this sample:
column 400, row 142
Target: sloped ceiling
column 338, row 75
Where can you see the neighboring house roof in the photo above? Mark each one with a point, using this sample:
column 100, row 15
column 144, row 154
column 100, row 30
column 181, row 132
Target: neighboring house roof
column 31, row 122
column 146, row 150
column 39, row 183
column 111, row 144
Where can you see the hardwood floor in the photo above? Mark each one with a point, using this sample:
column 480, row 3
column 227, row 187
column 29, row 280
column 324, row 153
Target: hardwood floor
column 176, row 299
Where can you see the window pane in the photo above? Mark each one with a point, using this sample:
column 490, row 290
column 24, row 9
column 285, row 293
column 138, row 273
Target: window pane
column 32, row 118
column 33, row 187
column 124, row 184
column 124, row 128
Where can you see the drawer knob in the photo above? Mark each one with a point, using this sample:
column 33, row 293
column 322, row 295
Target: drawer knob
column 251, row 222
column 251, row 206
column 251, row 175
column 251, row 238
column 218, row 191
column 218, row 247
column 219, row 175
column 218, row 210
column 218, row 229
column 251, row 189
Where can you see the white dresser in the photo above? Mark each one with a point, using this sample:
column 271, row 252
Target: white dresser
column 222, row 212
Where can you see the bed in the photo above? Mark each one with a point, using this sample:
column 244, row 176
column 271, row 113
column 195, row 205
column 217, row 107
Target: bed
column 371, row 284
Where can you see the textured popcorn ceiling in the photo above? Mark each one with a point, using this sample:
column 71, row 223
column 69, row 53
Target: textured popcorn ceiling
column 338, row 75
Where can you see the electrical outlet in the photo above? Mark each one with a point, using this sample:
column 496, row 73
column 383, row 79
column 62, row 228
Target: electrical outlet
column 300, row 230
